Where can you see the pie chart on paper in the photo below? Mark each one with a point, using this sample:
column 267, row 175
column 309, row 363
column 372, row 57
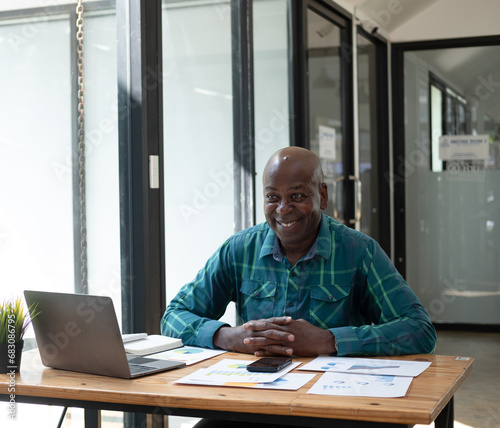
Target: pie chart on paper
column 188, row 351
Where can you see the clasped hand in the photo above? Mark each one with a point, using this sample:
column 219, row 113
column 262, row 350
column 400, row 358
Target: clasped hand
column 276, row 336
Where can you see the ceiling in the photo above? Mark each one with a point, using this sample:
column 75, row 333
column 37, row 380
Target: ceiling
column 474, row 72
column 390, row 14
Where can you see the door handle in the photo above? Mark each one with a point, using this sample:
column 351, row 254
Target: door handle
column 357, row 199
column 336, row 198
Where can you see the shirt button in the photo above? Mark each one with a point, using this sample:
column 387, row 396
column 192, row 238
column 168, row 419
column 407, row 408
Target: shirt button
column 256, row 293
column 293, row 273
column 290, row 304
column 330, row 297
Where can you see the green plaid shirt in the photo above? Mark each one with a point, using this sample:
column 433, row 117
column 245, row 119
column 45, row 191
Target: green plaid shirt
column 346, row 283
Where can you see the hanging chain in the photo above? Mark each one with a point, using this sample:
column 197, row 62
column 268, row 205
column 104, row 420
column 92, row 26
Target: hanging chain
column 81, row 147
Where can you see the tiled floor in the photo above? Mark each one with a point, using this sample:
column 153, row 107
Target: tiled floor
column 477, row 402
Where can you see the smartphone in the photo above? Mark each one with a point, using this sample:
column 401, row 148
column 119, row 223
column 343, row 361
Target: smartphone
column 269, row 364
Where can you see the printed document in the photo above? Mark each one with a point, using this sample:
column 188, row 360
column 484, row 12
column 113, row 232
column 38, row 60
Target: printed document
column 361, row 385
column 372, row 366
column 234, row 371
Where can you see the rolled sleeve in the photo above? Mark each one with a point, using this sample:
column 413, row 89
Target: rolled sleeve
column 193, row 313
column 347, row 341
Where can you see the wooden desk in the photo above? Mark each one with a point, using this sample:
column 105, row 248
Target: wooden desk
column 429, row 396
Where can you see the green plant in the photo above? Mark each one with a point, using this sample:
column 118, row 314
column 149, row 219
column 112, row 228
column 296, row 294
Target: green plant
column 14, row 320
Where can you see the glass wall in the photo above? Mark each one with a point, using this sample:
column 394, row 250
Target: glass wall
column 452, row 216
column 326, row 134
column 368, row 141
column 36, row 226
column 198, row 140
column 272, row 126
column 39, row 156
column 101, row 134
column 39, row 243
column 198, row 135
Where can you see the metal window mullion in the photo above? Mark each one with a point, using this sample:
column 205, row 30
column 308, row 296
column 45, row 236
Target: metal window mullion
column 398, row 155
column 297, row 73
column 140, row 130
column 140, row 135
column 243, row 113
column 138, row 173
column 125, row 101
column 153, row 117
column 347, row 117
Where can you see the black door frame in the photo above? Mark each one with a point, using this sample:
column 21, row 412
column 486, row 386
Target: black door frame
column 398, row 128
column 299, row 94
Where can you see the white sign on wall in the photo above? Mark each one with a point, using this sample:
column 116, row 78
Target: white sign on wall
column 464, row 147
column 327, row 146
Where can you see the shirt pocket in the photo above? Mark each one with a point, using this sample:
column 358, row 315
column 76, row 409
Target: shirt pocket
column 256, row 300
column 330, row 305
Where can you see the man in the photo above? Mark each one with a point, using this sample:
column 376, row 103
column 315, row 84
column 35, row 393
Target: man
column 303, row 283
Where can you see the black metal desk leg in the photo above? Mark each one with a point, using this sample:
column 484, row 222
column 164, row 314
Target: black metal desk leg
column 446, row 417
column 92, row 418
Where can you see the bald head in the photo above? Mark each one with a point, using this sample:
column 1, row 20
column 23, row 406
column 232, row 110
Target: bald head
column 295, row 158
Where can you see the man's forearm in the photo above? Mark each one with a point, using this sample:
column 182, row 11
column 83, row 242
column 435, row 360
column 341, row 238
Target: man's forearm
column 222, row 338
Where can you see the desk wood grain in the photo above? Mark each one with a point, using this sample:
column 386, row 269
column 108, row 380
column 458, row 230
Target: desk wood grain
column 427, row 396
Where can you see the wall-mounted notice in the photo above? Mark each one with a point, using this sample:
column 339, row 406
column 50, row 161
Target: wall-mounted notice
column 327, row 147
column 464, row 147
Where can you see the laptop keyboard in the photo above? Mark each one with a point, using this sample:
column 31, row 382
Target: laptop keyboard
column 137, row 368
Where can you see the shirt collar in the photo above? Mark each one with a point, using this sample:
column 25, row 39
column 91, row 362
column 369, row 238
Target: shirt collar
column 322, row 246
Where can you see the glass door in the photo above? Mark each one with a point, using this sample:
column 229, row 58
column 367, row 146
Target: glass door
column 372, row 156
column 452, row 216
column 328, row 78
column 358, row 196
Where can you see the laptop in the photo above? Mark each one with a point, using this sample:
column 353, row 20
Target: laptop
column 80, row 332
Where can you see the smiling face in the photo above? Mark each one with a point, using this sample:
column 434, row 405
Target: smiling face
column 294, row 195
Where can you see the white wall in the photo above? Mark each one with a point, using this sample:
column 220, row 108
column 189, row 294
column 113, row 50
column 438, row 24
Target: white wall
column 445, row 19
column 412, row 20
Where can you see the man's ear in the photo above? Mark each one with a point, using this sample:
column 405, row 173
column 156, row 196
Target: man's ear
column 323, row 193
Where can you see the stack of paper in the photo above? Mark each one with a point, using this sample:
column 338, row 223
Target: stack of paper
column 188, row 354
column 364, row 377
column 234, row 373
column 151, row 344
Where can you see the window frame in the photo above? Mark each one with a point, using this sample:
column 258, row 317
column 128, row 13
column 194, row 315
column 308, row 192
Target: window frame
column 449, row 97
column 398, row 126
